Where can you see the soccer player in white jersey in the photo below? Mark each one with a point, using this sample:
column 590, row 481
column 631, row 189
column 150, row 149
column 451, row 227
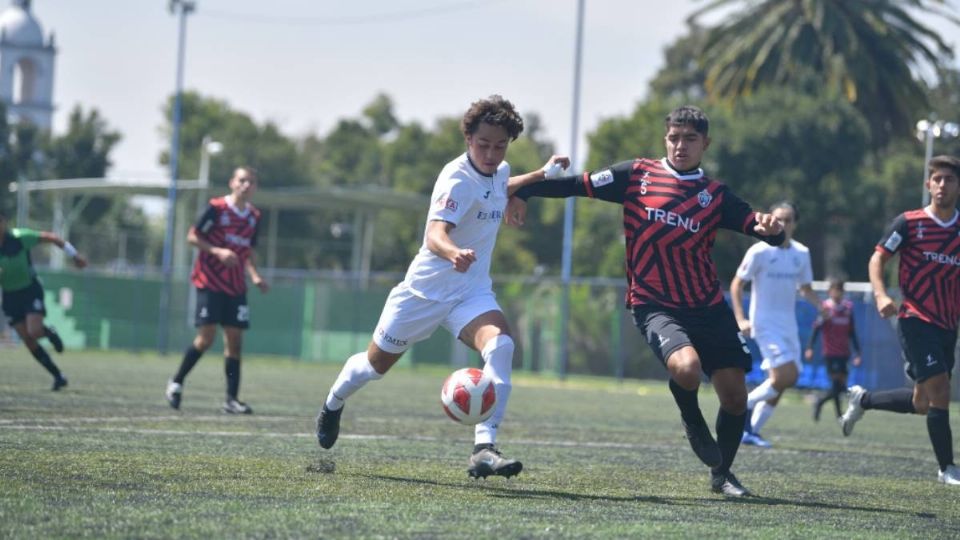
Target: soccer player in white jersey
column 776, row 273
column 448, row 283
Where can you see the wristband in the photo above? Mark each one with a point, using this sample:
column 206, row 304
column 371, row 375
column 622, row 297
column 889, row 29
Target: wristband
column 69, row 249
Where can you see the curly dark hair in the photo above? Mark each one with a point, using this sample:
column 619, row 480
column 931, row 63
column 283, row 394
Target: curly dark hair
column 688, row 115
column 496, row 111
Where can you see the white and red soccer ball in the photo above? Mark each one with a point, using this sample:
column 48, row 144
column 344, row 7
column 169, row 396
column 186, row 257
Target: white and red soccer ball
column 468, row 396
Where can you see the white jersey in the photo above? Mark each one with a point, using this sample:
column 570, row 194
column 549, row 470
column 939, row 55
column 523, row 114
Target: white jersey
column 776, row 272
column 475, row 204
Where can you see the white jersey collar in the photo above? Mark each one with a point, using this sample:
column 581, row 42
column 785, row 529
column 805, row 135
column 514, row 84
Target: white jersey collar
column 237, row 211
column 942, row 223
column 676, row 174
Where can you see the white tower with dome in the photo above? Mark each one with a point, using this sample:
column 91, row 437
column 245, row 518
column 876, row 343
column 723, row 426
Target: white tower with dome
column 26, row 66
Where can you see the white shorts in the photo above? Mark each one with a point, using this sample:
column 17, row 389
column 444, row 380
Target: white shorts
column 779, row 349
column 407, row 318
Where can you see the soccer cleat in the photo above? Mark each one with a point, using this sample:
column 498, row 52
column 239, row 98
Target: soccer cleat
column 728, row 485
column 232, row 406
column 173, row 394
column 754, row 439
column 703, row 444
column 328, row 427
column 816, row 410
column 489, row 461
column 59, row 383
column 950, row 476
column 854, row 409
column 54, row 338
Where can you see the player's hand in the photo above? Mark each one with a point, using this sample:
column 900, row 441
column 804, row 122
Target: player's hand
column 745, row 327
column 516, row 211
column 79, row 261
column 462, row 259
column 808, row 354
column 886, row 306
column 261, row 284
column 856, row 361
column 227, row 257
column 767, row 224
column 555, row 166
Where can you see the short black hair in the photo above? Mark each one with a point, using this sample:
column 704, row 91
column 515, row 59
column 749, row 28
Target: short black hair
column 788, row 205
column 836, row 282
column 944, row 162
column 688, row 115
column 496, row 111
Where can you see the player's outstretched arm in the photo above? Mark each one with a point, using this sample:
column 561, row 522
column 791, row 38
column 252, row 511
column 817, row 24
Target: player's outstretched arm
column 553, row 168
column 78, row 260
column 439, row 242
column 885, row 305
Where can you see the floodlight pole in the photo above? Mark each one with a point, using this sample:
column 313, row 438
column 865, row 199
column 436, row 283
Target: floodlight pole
column 185, row 7
column 569, row 209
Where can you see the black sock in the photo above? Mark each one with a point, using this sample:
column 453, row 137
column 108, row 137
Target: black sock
column 899, row 400
column 232, row 368
column 836, row 391
column 938, row 427
column 190, row 358
column 41, row 355
column 688, row 404
column 729, row 430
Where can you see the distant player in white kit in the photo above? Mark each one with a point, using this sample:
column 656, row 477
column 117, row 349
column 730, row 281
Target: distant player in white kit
column 776, row 273
column 448, row 283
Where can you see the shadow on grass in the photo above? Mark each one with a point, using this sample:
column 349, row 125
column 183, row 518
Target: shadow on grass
column 675, row 501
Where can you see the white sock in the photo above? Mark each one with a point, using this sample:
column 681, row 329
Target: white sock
column 761, row 393
column 498, row 364
column 356, row 372
column 761, row 413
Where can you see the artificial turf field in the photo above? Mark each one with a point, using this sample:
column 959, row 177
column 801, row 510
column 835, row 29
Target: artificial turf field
column 107, row 458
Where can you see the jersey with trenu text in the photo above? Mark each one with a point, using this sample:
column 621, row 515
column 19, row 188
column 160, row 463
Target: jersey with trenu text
column 474, row 203
column 670, row 222
column 226, row 226
column 929, row 266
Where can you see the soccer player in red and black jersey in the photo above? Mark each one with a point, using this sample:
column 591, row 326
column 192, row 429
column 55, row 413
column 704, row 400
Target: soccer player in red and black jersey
column 225, row 235
column 671, row 214
column 836, row 326
column 928, row 241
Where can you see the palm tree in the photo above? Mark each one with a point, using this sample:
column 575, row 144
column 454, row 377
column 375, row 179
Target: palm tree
column 869, row 51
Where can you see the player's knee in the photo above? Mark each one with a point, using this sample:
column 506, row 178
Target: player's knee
column 687, row 375
column 921, row 406
column 202, row 342
column 735, row 404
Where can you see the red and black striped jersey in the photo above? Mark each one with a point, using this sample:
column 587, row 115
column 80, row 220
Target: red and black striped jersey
column 837, row 328
column 929, row 266
column 225, row 226
column 670, row 222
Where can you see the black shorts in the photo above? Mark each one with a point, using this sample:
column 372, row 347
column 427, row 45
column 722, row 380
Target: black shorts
column 836, row 364
column 711, row 330
column 214, row 307
column 927, row 348
column 22, row 302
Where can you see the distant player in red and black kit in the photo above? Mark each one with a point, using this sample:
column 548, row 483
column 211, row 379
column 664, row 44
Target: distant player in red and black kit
column 838, row 334
column 928, row 241
column 671, row 214
column 225, row 234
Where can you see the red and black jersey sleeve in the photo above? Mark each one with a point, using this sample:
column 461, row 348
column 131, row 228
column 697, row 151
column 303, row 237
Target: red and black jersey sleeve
column 206, row 221
column 895, row 234
column 737, row 215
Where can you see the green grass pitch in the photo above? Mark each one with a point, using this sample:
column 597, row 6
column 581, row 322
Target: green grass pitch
column 107, row 458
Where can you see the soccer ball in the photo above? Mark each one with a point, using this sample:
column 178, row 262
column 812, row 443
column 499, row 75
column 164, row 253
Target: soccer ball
column 468, row 396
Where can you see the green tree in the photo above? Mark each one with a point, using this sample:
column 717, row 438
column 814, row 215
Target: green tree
column 866, row 52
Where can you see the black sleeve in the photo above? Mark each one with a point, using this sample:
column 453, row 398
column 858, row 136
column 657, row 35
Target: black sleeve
column 737, row 215
column 894, row 236
column 207, row 220
column 607, row 184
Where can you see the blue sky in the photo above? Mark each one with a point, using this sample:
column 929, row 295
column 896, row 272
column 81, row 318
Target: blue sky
column 306, row 63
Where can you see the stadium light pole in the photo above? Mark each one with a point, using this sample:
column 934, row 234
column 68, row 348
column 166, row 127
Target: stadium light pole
column 569, row 209
column 928, row 130
column 182, row 8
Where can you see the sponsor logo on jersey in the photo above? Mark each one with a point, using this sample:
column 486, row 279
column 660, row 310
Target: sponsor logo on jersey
column 893, row 242
column 495, row 215
column 672, row 219
column 237, row 240
column 704, row 198
column 602, row 178
column 390, row 339
column 942, row 258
